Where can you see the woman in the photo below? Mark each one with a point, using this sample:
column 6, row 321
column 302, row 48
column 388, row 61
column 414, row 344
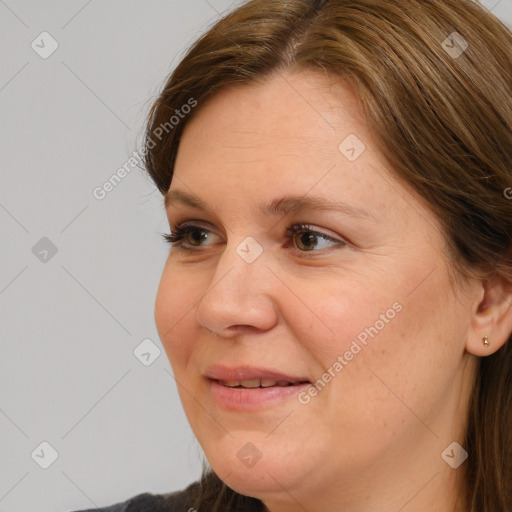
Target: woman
column 337, row 301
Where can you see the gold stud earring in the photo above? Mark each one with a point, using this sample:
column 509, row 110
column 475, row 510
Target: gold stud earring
column 485, row 341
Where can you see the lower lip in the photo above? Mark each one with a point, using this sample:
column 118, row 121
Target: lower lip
column 245, row 399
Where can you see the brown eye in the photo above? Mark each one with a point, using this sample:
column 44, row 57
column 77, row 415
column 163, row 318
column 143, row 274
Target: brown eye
column 196, row 237
column 187, row 236
column 306, row 241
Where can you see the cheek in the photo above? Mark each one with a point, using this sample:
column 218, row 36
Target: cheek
column 337, row 312
column 397, row 348
column 174, row 308
column 405, row 333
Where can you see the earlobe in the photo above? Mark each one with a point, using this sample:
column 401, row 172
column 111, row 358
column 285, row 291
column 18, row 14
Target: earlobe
column 491, row 324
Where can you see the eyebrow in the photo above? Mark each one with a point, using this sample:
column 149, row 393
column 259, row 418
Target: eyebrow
column 286, row 205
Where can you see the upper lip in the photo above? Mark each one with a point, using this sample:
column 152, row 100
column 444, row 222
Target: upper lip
column 225, row 373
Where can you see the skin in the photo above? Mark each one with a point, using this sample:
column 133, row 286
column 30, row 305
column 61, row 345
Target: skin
column 372, row 438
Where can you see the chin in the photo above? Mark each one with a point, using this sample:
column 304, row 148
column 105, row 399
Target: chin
column 257, row 469
column 259, row 481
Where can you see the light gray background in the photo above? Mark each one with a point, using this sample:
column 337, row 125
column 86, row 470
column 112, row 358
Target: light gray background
column 69, row 325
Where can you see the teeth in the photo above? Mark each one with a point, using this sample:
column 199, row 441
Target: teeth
column 231, row 383
column 254, row 383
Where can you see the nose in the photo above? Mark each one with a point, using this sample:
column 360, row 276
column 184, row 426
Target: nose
column 239, row 297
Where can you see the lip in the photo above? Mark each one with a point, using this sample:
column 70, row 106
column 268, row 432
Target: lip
column 219, row 372
column 245, row 400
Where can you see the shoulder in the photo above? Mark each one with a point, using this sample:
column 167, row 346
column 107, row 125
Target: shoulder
column 146, row 502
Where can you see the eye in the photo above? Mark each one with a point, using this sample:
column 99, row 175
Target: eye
column 307, row 239
column 304, row 238
column 186, row 236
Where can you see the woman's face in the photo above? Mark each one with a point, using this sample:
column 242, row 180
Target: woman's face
column 309, row 263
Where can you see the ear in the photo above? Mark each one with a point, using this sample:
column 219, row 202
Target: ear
column 492, row 317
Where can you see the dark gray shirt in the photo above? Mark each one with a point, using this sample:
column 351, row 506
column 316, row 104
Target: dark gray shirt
column 180, row 501
column 146, row 502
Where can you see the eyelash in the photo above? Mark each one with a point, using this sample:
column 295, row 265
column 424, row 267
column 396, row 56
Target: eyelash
column 176, row 238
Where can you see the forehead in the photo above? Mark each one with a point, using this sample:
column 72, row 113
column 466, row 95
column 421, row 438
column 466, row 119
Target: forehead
column 297, row 134
column 295, row 110
column 289, row 126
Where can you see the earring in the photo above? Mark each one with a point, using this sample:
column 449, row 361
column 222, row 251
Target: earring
column 485, row 341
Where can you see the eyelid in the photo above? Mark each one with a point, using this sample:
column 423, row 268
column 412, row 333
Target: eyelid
column 295, row 227
column 194, row 224
column 304, row 226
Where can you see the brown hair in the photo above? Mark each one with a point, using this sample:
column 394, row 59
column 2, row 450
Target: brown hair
column 443, row 121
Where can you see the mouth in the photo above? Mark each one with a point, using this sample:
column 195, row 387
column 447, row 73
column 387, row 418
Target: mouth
column 259, row 383
column 250, row 388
